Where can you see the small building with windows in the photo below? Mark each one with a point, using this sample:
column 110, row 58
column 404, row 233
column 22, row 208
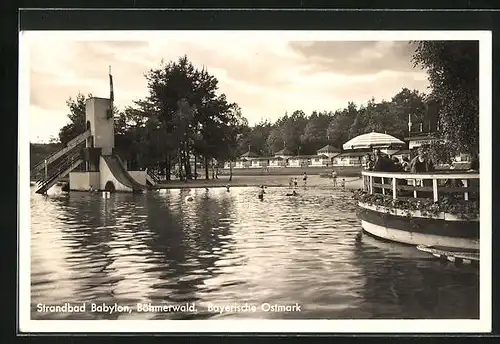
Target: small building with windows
column 240, row 163
column 353, row 158
column 277, row 161
column 243, row 161
column 298, row 161
column 329, row 150
column 416, row 140
column 259, row 162
column 320, row 160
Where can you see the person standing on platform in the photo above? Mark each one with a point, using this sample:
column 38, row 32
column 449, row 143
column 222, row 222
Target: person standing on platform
column 406, row 164
column 368, row 162
column 422, row 164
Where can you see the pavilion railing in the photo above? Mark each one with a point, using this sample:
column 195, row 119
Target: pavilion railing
column 422, row 185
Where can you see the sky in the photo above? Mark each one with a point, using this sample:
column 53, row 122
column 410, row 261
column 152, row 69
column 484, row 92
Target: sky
column 266, row 77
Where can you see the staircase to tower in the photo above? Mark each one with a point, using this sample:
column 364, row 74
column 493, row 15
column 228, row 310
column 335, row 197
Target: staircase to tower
column 58, row 165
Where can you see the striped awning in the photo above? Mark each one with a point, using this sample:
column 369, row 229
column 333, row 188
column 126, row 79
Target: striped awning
column 372, row 140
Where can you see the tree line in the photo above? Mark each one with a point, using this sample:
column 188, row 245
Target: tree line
column 184, row 115
column 304, row 134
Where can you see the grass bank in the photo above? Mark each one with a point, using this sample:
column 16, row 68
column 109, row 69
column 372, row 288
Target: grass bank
column 257, row 180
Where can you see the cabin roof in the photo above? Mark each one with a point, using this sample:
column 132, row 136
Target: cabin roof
column 353, row 154
column 329, row 149
column 298, row 157
column 284, row 151
column 264, row 158
column 250, row 154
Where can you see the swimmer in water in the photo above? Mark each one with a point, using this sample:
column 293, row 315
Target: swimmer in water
column 342, row 184
column 227, row 188
column 189, row 198
column 261, row 193
column 295, row 182
column 294, row 193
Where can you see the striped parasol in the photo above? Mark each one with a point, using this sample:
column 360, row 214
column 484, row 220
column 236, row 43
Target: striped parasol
column 372, row 140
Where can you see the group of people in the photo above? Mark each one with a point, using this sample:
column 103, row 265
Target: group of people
column 293, row 182
column 382, row 163
column 421, row 163
column 262, row 191
column 334, row 179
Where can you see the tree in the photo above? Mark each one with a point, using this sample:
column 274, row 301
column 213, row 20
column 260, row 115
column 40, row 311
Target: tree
column 406, row 103
column 230, row 134
column 76, row 115
column 342, row 120
column 453, row 70
column 292, row 129
column 256, row 138
column 315, row 133
column 184, row 99
column 275, row 140
column 54, row 140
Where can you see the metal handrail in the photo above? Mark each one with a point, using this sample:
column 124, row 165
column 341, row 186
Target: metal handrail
column 153, row 175
column 43, row 187
column 73, row 152
column 56, row 168
column 75, row 142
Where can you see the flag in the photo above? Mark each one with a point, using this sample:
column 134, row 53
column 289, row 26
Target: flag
column 111, row 94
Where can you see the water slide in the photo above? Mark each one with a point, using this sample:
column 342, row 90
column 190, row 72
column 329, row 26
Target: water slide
column 121, row 174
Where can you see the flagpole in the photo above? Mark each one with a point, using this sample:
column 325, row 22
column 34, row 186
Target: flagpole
column 111, row 94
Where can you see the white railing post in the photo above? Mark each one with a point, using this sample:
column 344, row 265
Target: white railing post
column 466, row 194
column 383, row 189
column 371, row 185
column 414, row 191
column 435, row 189
column 394, row 188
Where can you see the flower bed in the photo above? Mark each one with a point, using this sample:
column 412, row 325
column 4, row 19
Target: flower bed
column 463, row 209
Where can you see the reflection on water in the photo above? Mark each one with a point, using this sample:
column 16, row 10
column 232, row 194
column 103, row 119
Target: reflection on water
column 230, row 248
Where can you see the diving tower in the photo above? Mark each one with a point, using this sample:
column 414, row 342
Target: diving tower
column 93, row 152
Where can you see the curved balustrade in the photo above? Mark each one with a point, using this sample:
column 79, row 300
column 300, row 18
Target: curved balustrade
column 421, row 185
